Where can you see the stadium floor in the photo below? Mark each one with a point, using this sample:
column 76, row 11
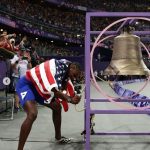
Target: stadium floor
column 42, row 134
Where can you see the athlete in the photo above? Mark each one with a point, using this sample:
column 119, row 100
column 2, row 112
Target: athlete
column 49, row 84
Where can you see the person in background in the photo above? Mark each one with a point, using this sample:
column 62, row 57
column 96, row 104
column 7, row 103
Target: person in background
column 5, row 41
column 20, row 63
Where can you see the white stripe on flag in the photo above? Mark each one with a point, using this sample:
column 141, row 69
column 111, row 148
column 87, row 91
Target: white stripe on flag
column 35, row 78
column 45, row 81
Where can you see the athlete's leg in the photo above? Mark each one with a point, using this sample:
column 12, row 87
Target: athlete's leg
column 56, row 115
column 30, row 108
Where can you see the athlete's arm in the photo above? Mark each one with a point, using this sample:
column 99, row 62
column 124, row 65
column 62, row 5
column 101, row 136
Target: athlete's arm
column 59, row 94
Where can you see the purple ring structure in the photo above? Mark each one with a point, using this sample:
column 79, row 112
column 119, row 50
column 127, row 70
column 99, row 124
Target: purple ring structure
column 88, row 100
column 97, row 42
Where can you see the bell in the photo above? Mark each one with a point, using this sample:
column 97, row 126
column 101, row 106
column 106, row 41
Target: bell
column 127, row 56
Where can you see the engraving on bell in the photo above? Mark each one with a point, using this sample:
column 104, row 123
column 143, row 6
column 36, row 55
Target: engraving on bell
column 127, row 56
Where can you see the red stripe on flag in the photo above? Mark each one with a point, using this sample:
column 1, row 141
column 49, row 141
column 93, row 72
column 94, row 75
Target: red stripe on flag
column 49, row 75
column 70, row 89
column 29, row 77
column 38, row 74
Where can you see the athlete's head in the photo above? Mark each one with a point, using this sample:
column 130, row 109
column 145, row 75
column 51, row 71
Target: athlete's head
column 74, row 71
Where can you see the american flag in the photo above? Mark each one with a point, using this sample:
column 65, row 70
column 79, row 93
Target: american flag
column 51, row 74
column 48, row 75
column 61, row 72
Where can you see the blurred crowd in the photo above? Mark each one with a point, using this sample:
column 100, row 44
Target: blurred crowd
column 50, row 19
column 112, row 5
column 36, row 47
column 69, row 24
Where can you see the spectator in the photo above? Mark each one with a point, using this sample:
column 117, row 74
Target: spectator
column 20, row 63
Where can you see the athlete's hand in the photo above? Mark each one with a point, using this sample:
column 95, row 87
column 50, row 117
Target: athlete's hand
column 76, row 99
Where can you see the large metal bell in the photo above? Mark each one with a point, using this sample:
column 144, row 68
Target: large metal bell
column 127, row 56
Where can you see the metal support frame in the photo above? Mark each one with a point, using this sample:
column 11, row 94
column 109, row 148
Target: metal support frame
column 88, row 111
column 12, row 108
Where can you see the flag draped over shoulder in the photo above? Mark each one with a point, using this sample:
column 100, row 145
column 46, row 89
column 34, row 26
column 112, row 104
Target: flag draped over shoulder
column 48, row 75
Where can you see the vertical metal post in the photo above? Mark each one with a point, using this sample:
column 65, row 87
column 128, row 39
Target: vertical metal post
column 87, row 80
